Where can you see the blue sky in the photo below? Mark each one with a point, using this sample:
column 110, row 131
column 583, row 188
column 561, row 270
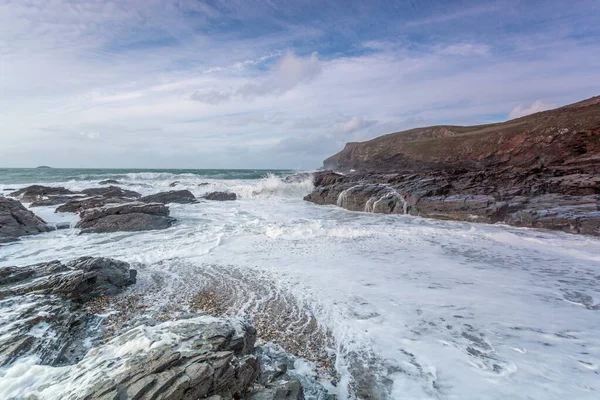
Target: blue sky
column 273, row 84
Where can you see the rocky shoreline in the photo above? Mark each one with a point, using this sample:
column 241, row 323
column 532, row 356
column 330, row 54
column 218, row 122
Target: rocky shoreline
column 540, row 171
column 524, row 198
column 57, row 312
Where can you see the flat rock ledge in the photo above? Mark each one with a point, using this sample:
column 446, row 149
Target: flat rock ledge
column 17, row 221
column 524, row 198
column 126, row 217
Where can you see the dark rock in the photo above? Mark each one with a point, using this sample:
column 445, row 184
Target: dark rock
column 125, row 217
column 53, row 200
column 109, row 182
column 17, row 221
column 173, row 184
column 299, row 177
column 203, row 184
column 538, row 171
column 76, row 206
column 280, row 390
column 173, row 196
column 112, row 191
column 63, row 225
column 41, row 306
column 44, row 167
column 7, row 189
column 211, row 363
column 80, row 280
column 220, row 196
column 38, row 192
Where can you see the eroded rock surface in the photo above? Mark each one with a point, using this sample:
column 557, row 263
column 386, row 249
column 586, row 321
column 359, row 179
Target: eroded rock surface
column 172, row 196
column 528, row 198
column 220, row 196
column 40, row 306
column 38, row 192
column 125, row 217
column 112, row 191
column 17, row 221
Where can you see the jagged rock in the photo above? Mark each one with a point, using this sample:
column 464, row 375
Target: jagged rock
column 109, row 182
column 220, row 196
column 38, row 192
column 521, row 198
column 280, row 390
column 40, row 306
column 17, row 221
column 125, row 217
column 298, row 177
column 53, row 200
column 112, row 191
column 81, row 279
column 172, row 196
column 76, row 206
column 187, row 359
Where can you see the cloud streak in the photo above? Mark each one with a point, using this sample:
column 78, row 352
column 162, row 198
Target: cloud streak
column 193, row 84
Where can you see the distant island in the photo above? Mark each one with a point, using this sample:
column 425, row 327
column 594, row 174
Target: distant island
column 43, row 166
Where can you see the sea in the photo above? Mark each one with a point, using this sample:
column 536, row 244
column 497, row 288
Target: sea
column 420, row 308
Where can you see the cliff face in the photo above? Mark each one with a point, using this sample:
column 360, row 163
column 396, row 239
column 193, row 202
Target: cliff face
column 540, row 171
column 568, row 135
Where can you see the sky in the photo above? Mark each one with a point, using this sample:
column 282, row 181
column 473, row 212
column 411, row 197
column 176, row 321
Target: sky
column 273, row 84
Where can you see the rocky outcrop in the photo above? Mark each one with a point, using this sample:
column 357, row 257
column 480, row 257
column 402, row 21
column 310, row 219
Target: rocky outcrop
column 220, row 196
column 566, row 136
column 37, row 192
column 125, row 217
column 112, row 191
column 109, row 182
column 172, row 196
column 17, row 221
column 45, row 311
column 538, row 171
column 53, row 201
column 76, row 206
column 40, row 306
column 521, row 198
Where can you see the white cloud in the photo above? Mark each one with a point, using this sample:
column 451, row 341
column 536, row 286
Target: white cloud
column 90, row 135
column 536, row 106
column 465, row 49
column 289, row 72
column 353, row 124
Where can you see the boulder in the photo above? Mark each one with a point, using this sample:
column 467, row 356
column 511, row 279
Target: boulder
column 112, row 191
column 109, row 182
column 17, row 221
column 125, row 217
column 220, row 196
column 80, row 280
column 298, row 177
column 76, row 206
column 53, row 201
column 187, row 359
column 41, row 310
column 172, row 196
column 289, row 389
column 63, row 225
column 39, row 192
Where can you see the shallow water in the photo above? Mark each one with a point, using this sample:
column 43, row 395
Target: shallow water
column 426, row 309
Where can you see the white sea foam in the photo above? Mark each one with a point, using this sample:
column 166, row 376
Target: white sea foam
column 441, row 309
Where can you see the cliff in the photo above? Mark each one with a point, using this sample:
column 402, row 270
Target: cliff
column 565, row 136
